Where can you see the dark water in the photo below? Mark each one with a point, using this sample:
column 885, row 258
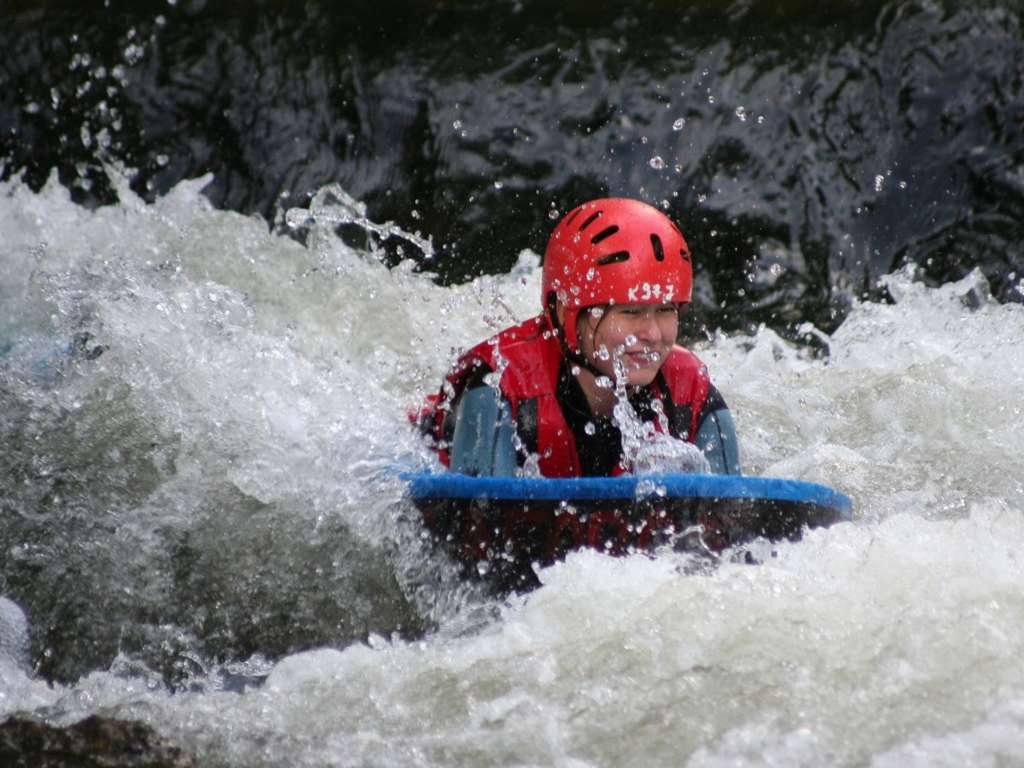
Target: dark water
column 818, row 149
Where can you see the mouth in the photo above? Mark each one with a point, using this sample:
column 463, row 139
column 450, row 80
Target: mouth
column 643, row 357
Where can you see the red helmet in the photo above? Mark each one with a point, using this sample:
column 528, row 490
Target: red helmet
column 614, row 251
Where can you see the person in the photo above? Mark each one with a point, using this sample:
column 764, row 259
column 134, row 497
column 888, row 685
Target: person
column 551, row 392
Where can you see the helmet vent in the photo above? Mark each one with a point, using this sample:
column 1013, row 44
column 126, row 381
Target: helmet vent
column 659, row 251
column 685, row 254
column 591, row 219
column 572, row 216
column 613, row 258
column 604, row 234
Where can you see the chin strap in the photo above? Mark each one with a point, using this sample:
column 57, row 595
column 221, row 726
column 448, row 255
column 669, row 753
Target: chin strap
column 571, row 355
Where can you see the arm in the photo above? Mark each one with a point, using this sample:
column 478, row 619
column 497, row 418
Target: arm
column 716, row 437
column 483, row 443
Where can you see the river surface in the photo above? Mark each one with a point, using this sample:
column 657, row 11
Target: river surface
column 199, row 421
column 201, row 415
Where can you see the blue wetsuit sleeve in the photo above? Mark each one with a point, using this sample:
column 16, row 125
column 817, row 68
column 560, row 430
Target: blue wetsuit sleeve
column 716, row 437
column 484, row 439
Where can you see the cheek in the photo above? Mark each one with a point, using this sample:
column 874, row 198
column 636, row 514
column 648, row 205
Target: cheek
column 612, row 335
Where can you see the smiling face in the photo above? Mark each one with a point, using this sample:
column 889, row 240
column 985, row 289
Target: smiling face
column 639, row 335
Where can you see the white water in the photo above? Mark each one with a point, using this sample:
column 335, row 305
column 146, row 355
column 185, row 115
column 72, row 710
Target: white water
column 266, row 371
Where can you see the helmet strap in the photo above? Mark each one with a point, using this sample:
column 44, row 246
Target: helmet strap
column 569, row 354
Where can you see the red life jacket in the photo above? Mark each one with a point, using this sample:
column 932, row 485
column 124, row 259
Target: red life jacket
column 528, row 358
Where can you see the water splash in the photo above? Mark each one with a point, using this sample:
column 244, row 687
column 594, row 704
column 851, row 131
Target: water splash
column 229, row 402
column 332, row 206
column 648, row 448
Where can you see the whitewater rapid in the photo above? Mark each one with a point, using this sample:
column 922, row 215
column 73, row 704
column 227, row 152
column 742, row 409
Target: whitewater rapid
column 223, row 405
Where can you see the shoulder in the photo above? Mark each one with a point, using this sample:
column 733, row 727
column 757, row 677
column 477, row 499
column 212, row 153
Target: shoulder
column 687, row 377
column 528, row 356
column 682, row 362
column 514, row 340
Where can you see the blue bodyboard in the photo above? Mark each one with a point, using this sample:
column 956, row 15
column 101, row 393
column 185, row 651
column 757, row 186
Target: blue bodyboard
column 501, row 528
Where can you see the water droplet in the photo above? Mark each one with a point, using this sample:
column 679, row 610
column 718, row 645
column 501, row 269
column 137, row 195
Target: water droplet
column 553, row 214
column 657, row 163
column 133, row 54
column 879, row 181
column 741, row 113
column 80, row 61
column 589, row 428
column 679, row 124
